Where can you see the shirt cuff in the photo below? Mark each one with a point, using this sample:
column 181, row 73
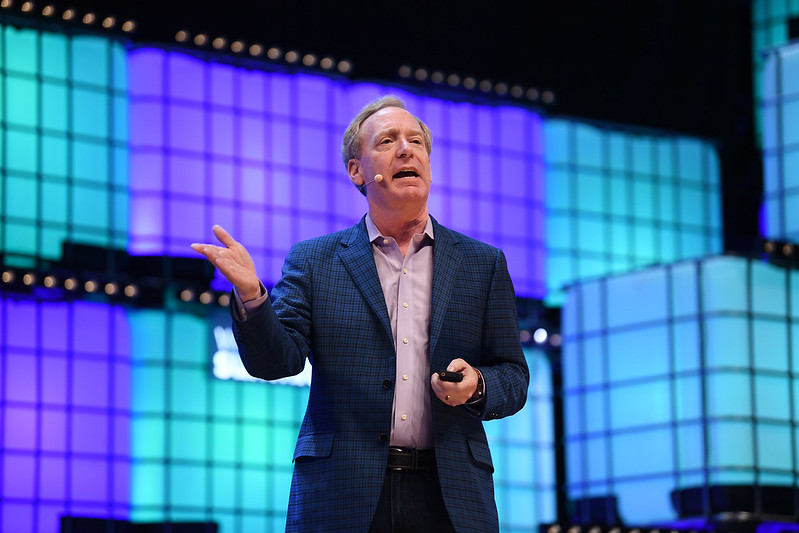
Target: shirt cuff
column 242, row 310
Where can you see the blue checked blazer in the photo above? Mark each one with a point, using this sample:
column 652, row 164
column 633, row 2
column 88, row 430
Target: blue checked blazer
column 329, row 307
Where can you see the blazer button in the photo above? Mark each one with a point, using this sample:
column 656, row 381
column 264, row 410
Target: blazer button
column 387, row 384
column 382, row 437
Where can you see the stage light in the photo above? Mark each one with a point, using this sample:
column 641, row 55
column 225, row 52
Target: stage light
column 437, row 77
column 486, row 86
column 223, row 300
column 88, row 18
column 219, row 43
column 200, row 39
column 128, row 26
column 547, row 97
column 291, row 56
column 309, row 60
column 237, row 46
column 540, row 335
column 110, row 289
column 420, row 74
column 181, row 36
column 131, row 291
column 49, row 281
column 405, row 71
column 205, row 297
column 524, row 336
column 516, row 91
column 574, row 529
column 327, row 63
column 768, row 247
column 256, row 50
column 554, row 528
column 90, row 286
column 501, row 89
column 453, row 80
column 26, row 7
column 28, row 279
column 109, row 22
column 186, row 295
column 344, row 66
column 273, row 53
column 48, row 10
column 555, row 340
column 7, row 276
column 469, row 83
column 532, row 94
column 70, row 284
column 787, row 249
column 6, row 3
column 69, row 14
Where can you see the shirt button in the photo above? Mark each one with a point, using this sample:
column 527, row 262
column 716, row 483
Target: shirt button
column 404, row 270
column 385, row 241
column 405, row 305
column 405, row 340
column 405, row 377
column 382, row 437
column 404, row 417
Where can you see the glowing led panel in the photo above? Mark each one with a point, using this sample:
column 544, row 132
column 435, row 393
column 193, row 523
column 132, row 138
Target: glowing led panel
column 677, row 378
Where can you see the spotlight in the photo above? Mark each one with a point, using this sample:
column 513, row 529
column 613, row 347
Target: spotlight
column 405, row 71
column 555, row 340
column 219, row 43
column 70, row 284
column 109, row 22
column 344, row 66
column 28, row 279
column 48, row 11
column 469, row 83
column 540, row 335
column 574, row 529
column 6, row 3
column 69, row 14
column 90, row 286
column 200, row 39
column 131, row 291
column 547, row 97
column 128, row 26
column 181, row 36
column 237, row 46
column 256, row 50
column 206, row 297
column 273, row 53
column 501, row 89
column 49, row 281
column 768, row 246
column 291, row 56
column 186, row 295
column 326, row 63
column 26, row 7
column 595, row 529
column 309, row 60
column 787, row 250
column 420, row 74
column 111, row 289
column 485, row 86
column 516, row 91
column 554, row 528
column 524, row 336
column 453, row 80
column 437, row 77
column 532, row 94
column 7, row 276
column 88, row 18
column 223, row 300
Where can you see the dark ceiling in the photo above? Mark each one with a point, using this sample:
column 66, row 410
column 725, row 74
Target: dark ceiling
column 679, row 65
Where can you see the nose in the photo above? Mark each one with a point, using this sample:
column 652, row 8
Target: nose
column 403, row 148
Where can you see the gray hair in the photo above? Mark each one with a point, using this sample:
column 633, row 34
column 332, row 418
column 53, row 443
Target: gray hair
column 351, row 144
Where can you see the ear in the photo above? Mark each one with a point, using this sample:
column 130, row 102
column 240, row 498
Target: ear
column 355, row 171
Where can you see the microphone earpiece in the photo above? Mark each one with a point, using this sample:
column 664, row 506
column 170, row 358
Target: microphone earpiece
column 378, row 178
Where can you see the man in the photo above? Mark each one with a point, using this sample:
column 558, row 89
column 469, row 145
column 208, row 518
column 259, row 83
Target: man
column 379, row 309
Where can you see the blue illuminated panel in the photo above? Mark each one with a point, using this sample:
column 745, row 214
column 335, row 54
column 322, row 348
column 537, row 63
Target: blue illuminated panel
column 781, row 144
column 63, row 134
column 64, row 413
column 617, row 201
column 522, row 449
column 203, row 448
column 680, row 376
column 258, row 153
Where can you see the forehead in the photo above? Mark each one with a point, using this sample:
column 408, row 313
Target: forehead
column 390, row 118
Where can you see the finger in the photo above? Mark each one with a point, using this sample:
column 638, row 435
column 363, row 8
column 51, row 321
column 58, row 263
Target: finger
column 457, row 365
column 223, row 236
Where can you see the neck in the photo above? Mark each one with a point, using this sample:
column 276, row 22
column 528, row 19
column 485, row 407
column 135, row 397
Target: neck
column 399, row 226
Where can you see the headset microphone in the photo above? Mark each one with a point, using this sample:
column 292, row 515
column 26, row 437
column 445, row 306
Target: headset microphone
column 378, row 178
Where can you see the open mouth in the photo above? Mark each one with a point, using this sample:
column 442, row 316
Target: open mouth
column 406, row 174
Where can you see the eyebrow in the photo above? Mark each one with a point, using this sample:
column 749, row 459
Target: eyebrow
column 393, row 130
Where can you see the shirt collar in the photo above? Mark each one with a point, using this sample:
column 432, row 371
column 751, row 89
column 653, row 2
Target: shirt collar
column 374, row 233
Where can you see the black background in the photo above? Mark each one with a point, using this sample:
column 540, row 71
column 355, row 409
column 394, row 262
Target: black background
column 683, row 66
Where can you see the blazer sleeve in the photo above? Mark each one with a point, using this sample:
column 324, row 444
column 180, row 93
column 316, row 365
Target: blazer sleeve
column 275, row 340
column 506, row 376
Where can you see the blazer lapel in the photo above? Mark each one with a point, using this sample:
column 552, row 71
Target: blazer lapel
column 356, row 254
column 446, row 261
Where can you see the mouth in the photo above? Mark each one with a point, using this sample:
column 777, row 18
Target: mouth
column 406, row 174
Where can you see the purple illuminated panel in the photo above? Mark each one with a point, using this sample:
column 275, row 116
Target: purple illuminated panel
column 64, row 407
column 258, row 153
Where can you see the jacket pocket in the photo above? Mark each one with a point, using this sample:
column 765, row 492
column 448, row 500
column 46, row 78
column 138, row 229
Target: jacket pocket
column 481, row 455
column 313, row 445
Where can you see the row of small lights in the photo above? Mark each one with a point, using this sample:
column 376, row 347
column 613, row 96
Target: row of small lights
column 530, row 94
column 540, row 336
column 90, row 286
column 258, row 51
column 70, row 14
column 556, row 528
column 771, row 247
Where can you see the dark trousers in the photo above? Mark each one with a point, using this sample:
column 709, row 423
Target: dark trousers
column 411, row 502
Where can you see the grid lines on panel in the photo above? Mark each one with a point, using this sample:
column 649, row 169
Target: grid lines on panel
column 63, row 133
column 677, row 377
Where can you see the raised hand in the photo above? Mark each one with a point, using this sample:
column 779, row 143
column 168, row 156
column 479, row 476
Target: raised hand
column 234, row 262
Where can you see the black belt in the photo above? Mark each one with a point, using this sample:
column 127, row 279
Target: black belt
column 410, row 459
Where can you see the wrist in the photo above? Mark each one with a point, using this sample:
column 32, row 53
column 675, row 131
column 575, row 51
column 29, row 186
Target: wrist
column 478, row 392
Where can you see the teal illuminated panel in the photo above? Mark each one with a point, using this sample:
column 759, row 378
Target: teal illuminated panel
column 258, row 153
column 203, row 448
column 780, row 111
column 617, row 201
column 680, row 376
column 63, row 122
column 522, row 449
column 769, row 30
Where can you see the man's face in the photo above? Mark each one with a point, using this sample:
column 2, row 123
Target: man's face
column 392, row 144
